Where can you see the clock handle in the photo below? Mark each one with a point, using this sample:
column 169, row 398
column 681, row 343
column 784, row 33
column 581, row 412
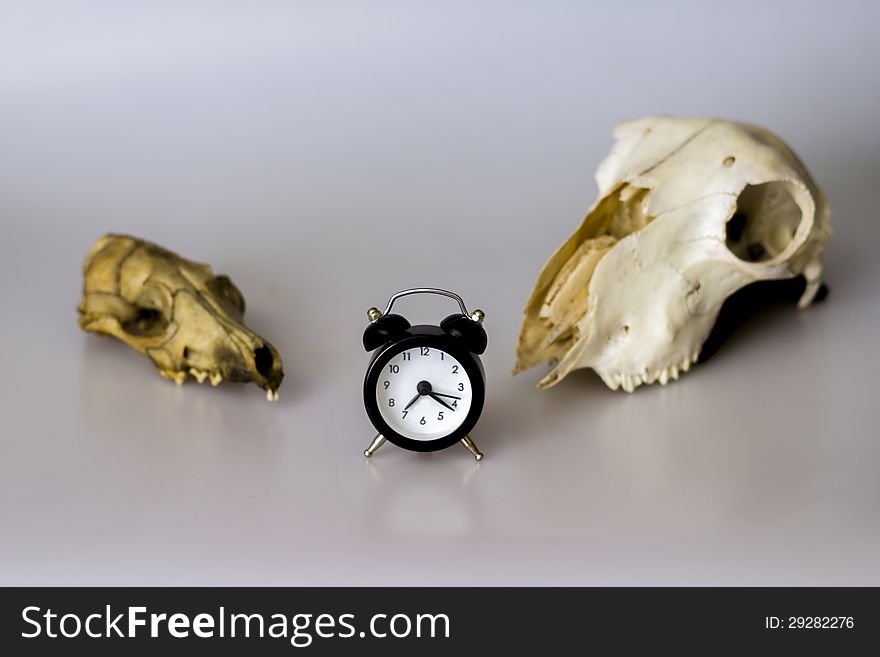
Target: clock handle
column 467, row 327
column 427, row 290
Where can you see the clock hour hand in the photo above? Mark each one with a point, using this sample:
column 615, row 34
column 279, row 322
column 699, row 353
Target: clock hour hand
column 440, row 394
column 437, row 399
column 423, row 388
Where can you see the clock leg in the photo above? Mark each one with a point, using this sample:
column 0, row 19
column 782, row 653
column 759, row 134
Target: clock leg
column 472, row 448
column 378, row 441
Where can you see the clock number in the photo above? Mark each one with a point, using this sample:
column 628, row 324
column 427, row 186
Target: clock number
column 404, row 414
column 394, row 369
column 455, row 369
column 386, row 384
column 461, row 387
column 391, row 402
column 454, row 403
column 422, row 421
column 407, row 355
column 442, row 356
column 424, row 351
column 440, row 415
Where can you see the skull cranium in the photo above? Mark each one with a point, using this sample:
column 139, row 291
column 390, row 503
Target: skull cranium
column 176, row 312
column 689, row 211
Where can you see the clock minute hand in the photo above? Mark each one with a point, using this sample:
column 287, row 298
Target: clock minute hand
column 437, row 399
column 412, row 401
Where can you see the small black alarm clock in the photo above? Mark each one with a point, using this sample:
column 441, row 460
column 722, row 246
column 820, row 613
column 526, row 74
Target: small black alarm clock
column 425, row 387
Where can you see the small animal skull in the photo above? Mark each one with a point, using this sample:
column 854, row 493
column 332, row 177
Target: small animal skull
column 689, row 211
column 176, row 312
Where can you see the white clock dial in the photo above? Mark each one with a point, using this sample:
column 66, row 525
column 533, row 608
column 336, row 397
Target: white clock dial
column 423, row 393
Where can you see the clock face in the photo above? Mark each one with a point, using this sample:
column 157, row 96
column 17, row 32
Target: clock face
column 423, row 393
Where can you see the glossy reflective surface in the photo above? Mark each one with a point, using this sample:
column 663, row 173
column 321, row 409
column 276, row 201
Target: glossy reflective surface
column 327, row 155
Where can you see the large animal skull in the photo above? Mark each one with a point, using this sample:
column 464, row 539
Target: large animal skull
column 185, row 319
column 689, row 211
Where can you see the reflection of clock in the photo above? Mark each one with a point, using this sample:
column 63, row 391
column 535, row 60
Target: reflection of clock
column 425, row 387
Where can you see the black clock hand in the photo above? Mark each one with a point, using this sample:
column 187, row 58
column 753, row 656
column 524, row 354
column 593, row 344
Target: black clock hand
column 422, row 388
column 440, row 394
column 437, row 399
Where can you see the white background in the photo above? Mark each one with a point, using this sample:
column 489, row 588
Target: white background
column 311, row 151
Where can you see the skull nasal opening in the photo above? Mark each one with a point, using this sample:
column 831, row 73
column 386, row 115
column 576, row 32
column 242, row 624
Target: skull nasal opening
column 765, row 221
column 263, row 360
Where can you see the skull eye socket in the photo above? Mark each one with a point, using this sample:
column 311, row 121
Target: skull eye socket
column 146, row 322
column 765, row 221
column 148, row 315
column 227, row 293
column 263, row 360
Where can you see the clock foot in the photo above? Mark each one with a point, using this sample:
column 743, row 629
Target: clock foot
column 378, row 441
column 472, row 448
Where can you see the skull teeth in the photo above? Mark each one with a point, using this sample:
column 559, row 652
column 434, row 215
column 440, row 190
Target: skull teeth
column 200, row 375
column 630, row 382
column 611, row 380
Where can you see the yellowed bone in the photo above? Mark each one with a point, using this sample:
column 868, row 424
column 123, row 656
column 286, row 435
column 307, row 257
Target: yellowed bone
column 175, row 311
